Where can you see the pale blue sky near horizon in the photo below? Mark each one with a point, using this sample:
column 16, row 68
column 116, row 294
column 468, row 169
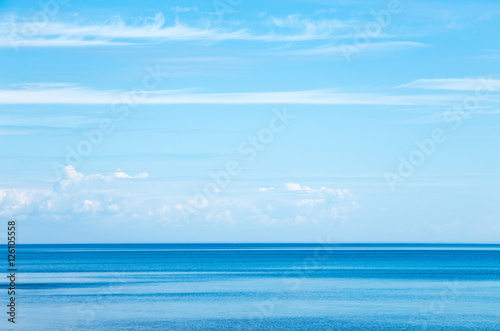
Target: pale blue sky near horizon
column 363, row 80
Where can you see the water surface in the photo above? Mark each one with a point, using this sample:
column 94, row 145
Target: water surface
column 257, row 287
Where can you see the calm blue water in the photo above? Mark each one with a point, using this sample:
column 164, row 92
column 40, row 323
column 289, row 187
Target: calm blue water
column 257, row 287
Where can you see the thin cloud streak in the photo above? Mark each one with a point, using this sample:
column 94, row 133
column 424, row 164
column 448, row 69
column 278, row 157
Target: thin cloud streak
column 294, row 28
column 80, row 95
column 455, row 84
column 354, row 49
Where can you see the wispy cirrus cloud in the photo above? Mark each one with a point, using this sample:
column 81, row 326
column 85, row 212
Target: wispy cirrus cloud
column 489, row 57
column 312, row 28
column 23, row 33
column 22, row 130
column 343, row 49
column 72, row 94
column 456, row 84
column 15, row 132
column 292, row 28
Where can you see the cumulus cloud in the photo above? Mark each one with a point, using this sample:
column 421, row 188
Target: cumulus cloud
column 309, row 202
column 265, row 189
column 222, row 217
column 290, row 203
column 117, row 197
column 341, row 193
column 71, row 177
column 73, row 195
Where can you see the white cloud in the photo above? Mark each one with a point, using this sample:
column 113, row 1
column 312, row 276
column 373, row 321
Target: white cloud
column 118, row 197
column 120, row 174
column 15, row 201
column 71, row 178
column 349, row 49
column 16, row 132
column 265, row 189
column 89, row 205
column 309, row 202
column 114, row 198
column 220, row 217
column 73, row 196
column 311, row 29
column 112, row 32
column 299, row 203
column 178, row 9
column 24, row 33
column 299, row 21
column 341, row 193
column 79, row 95
column 456, row 84
column 295, row 187
column 300, row 219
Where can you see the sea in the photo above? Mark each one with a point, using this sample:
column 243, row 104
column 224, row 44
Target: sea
column 255, row 287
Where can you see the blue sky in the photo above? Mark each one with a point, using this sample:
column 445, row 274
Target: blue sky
column 357, row 121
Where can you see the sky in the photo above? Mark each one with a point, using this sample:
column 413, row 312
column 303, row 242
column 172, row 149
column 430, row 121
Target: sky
column 250, row 121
